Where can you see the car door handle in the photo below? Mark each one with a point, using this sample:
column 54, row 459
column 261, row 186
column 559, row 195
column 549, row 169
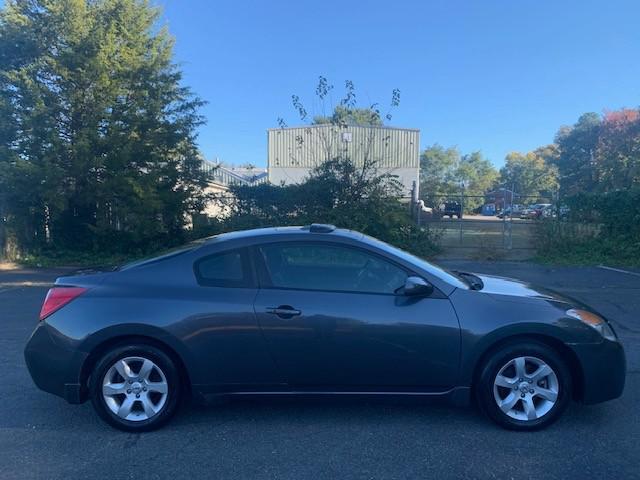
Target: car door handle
column 284, row 311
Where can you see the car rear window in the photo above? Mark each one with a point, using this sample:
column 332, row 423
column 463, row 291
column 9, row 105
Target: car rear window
column 160, row 258
column 164, row 255
column 226, row 269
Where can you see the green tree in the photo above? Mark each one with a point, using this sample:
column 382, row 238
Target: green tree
column 445, row 173
column 338, row 192
column 346, row 112
column 600, row 154
column 477, row 175
column 576, row 161
column 97, row 134
column 618, row 151
column 438, row 167
column 342, row 115
column 530, row 174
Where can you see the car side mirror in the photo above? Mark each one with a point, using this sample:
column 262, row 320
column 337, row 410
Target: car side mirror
column 414, row 286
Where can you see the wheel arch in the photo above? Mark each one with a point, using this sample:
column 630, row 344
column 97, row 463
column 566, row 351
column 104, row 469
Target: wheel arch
column 108, row 344
column 557, row 345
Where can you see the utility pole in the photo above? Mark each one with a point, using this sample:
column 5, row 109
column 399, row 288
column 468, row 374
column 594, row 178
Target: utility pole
column 504, row 217
column 3, row 229
column 513, row 194
column 461, row 210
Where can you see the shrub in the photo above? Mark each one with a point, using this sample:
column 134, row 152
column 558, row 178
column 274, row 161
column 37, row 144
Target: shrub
column 601, row 228
column 339, row 193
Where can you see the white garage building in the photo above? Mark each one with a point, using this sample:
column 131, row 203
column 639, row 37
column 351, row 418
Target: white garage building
column 294, row 152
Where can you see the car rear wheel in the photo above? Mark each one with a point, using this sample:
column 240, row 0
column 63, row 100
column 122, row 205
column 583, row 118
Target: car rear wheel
column 524, row 386
column 135, row 387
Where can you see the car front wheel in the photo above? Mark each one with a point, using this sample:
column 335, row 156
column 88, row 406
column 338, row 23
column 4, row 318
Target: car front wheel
column 524, row 386
column 135, row 388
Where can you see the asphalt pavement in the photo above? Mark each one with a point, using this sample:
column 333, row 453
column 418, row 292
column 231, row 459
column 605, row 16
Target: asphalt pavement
column 41, row 436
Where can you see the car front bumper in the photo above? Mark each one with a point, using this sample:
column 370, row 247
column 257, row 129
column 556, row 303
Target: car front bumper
column 54, row 367
column 603, row 370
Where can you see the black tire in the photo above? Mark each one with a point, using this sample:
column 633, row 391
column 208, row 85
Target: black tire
column 161, row 360
column 484, row 388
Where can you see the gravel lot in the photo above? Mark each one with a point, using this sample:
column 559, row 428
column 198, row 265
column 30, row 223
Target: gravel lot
column 43, row 437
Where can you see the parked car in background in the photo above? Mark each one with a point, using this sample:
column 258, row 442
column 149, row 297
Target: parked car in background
column 511, row 211
column 424, row 211
column 524, row 213
column 316, row 311
column 554, row 211
column 549, row 212
column 535, row 211
column 451, row 209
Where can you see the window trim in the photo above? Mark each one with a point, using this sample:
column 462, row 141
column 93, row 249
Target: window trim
column 265, row 282
column 248, row 281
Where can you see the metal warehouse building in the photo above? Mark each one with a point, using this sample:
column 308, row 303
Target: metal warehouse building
column 294, row 152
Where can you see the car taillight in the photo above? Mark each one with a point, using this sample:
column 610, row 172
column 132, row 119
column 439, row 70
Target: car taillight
column 58, row 297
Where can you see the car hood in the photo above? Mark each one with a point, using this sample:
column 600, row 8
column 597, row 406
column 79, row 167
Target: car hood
column 503, row 288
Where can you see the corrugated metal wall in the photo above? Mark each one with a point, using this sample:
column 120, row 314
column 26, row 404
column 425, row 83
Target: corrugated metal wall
column 307, row 147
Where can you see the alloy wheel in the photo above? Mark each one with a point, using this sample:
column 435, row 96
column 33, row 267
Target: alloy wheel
column 135, row 388
column 526, row 388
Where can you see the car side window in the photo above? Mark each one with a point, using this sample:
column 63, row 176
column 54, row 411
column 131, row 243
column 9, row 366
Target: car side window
column 225, row 269
column 330, row 268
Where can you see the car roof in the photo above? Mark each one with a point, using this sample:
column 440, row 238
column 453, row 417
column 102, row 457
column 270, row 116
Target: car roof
column 275, row 232
column 441, row 279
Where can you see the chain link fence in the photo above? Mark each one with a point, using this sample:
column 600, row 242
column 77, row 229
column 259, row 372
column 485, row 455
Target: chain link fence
column 489, row 225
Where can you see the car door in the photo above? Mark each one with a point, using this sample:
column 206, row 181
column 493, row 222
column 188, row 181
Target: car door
column 221, row 330
column 331, row 316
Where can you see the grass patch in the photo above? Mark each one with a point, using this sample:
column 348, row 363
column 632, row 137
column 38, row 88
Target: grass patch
column 593, row 251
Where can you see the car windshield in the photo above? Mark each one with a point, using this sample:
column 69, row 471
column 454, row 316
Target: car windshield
column 448, row 276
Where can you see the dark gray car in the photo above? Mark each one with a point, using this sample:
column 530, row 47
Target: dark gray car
column 316, row 310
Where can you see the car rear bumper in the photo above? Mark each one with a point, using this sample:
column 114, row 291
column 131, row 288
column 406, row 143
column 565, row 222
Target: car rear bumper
column 604, row 369
column 53, row 367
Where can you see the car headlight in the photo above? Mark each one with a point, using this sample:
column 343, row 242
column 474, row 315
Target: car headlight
column 594, row 321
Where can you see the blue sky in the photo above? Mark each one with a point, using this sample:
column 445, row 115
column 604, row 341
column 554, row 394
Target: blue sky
column 492, row 75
